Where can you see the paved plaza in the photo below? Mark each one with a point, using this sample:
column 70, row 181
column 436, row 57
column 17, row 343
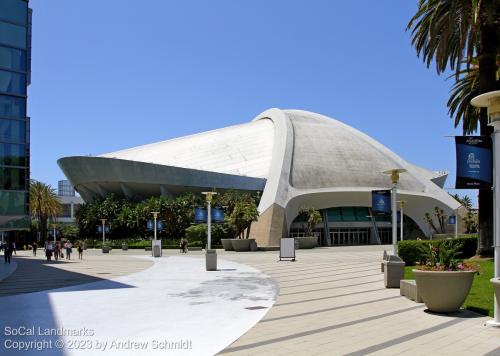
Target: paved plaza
column 331, row 301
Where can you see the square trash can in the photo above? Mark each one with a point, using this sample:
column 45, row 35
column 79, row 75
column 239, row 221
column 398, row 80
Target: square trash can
column 156, row 250
column 394, row 271
column 211, row 260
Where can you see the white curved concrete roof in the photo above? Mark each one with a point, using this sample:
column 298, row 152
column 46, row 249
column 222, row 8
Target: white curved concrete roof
column 244, row 150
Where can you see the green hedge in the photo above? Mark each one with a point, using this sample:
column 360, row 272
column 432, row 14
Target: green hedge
column 410, row 252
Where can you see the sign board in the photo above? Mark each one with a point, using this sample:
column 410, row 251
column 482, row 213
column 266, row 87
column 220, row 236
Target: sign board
column 474, row 162
column 107, row 229
column 200, row 215
column 452, row 220
column 217, row 215
column 381, row 201
column 287, row 249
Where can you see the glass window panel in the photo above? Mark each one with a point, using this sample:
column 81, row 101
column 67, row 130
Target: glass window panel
column 12, row 58
column 12, row 130
column 12, row 154
column 334, row 214
column 14, row 10
column 12, row 83
column 12, row 203
column 348, row 214
column 13, row 178
column 12, row 107
column 362, row 214
column 13, row 35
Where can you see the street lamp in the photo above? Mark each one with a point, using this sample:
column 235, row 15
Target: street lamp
column 155, row 216
column 401, row 209
column 491, row 101
column 210, row 255
column 54, row 225
column 103, row 222
column 394, row 178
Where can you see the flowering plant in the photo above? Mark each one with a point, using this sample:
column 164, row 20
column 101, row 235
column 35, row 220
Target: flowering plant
column 443, row 257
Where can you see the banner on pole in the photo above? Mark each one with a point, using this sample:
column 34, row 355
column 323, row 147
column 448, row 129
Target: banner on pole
column 200, row 215
column 217, row 215
column 381, row 201
column 474, row 162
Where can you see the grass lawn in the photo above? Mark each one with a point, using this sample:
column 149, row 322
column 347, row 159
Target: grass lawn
column 481, row 296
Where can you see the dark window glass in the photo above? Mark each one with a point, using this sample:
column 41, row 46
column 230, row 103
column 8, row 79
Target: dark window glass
column 12, row 130
column 13, row 203
column 12, row 154
column 12, row 178
column 12, row 83
column 12, row 35
column 14, row 11
column 12, row 58
column 12, row 107
column 66, row 211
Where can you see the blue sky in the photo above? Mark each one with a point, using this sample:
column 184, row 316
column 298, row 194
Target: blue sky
column 111, row 74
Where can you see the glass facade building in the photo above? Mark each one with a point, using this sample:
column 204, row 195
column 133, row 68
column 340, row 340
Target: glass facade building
column 65, row 189
column 15, row 63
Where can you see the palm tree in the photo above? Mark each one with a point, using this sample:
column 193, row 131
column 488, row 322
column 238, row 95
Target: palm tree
column 452, row 33
column 44, row 205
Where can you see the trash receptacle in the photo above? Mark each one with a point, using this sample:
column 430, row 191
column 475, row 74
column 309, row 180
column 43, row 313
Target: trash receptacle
column 156, row 248
column 394, row 271
column 211, row 260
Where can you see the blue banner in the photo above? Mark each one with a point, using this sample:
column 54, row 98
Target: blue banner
column 217, row 215
column 200, row 215
column 150, row 225
column 452, row 220
column 474, row 162
column 160, row 226
column 99, row 229
column 381, row 201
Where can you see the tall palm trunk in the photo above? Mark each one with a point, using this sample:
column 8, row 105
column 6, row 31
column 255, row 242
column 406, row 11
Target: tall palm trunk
column 487, row 82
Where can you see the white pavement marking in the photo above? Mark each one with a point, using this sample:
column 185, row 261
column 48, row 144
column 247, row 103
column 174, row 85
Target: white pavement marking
column 174, row 307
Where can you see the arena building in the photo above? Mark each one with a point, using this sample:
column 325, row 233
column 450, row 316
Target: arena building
column 294, row 158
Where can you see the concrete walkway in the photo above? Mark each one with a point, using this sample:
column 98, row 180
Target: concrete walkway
column 173, row 307
column 332, row 301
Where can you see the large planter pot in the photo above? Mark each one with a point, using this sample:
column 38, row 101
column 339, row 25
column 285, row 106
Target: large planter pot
column 307, row 242
column 106, row 249
column 124, row 247
column 241, row 245
column 496, row 288
column 444, row 291
column 227, row 244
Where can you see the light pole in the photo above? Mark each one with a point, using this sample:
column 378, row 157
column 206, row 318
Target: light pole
column 155, row 216
column 211, row 255
column 54, row 231
column 401, row 209
column 394, row 178
column 491, row 101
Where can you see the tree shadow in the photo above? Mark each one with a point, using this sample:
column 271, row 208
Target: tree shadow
column 27, row 305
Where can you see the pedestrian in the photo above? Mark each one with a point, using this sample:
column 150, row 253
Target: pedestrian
column 34, row 246
column 49, row 249
column 80, row 250
column 8, row 248
column 57, row 251
column 13, row 248
column 184, row 245
column 69, row 249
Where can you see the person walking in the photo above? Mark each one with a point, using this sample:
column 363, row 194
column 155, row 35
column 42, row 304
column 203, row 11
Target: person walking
column 69, row 249
column 80, row 250
column 8, row 248
column 57, row 251
column 49, row 249
column 34, row 246
column 13, row 249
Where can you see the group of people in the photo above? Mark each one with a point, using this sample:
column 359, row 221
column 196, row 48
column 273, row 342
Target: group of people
column 57, row 249
column 8, row 248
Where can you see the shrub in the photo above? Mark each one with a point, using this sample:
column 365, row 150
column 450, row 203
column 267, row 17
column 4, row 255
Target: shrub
column 196, row 233
column 411, row 250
